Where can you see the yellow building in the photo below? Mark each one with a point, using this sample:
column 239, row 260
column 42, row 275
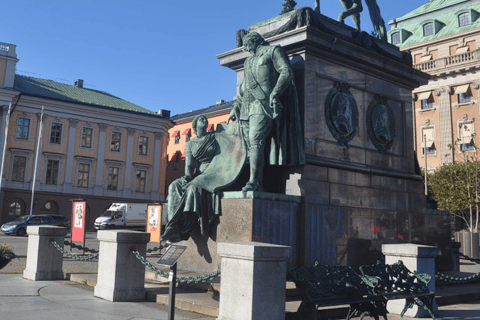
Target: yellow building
column 94, row 146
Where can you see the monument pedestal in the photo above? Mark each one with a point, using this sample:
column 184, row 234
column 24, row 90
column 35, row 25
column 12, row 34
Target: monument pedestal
column 246, row 217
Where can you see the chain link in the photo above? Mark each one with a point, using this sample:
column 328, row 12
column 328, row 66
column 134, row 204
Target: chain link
column 470, row 279
column 477, row 261
column 203, row 278
column 155, row 249
column 75, row 246
column 73, row 256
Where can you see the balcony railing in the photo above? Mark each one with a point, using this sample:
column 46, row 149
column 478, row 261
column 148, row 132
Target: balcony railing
column 7, row 49
column 458, row 59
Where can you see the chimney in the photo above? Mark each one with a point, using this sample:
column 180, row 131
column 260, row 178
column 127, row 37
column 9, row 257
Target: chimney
column 79, row 83
column 8, row 63
column 220, row 102
column 164, row 113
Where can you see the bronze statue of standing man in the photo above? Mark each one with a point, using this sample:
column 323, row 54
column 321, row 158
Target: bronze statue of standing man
column 267, row 109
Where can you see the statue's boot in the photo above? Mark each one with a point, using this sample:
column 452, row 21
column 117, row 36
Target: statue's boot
column 257, row 163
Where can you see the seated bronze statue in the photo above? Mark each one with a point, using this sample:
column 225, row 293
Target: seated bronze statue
column 212, row 161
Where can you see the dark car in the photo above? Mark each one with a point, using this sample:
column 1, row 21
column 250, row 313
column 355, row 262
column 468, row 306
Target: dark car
column 19, row 226
column 60, row 220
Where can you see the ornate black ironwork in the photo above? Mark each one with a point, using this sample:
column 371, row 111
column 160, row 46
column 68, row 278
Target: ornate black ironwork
column 381, row 124
column 341, row 113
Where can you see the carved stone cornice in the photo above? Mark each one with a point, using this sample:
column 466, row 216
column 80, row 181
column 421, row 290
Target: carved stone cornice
column 102, row 127
column 131, row 131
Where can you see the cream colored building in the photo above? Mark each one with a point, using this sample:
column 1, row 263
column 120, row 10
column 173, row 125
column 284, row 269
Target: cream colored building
column 94, row 146
column 443, row 37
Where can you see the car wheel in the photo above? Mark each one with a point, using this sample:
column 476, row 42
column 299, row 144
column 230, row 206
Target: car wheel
column 21, row 232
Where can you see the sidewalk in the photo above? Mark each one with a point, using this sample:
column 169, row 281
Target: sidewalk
column 59, row 300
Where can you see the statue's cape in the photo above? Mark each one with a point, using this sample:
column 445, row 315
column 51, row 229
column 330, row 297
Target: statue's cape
column 227, row 164
column 284, row 146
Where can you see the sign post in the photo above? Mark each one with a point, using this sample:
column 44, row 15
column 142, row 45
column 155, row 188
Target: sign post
column 170, row 258
column 78, row 221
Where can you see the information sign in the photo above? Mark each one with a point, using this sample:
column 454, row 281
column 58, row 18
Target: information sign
column 170, row 257
column 78, row 221
column 154, row 225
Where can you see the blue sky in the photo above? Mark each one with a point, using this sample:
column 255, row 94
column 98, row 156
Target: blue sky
column 158, row 54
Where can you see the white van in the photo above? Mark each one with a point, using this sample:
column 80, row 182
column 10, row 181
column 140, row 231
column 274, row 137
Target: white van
column 123, row 215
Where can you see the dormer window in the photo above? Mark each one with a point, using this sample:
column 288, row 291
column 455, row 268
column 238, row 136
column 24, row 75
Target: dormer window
column 395, row 38
column 428, row 29
column 463, row 19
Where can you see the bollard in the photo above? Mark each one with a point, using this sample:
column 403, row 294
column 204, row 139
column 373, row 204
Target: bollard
column 44, row 261
column 418, row 258
column 455, row 256
column 253, row 281
column 121, row 277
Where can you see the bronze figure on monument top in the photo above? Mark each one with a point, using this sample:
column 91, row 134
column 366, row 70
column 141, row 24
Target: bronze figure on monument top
column 353, row 9
column 267, row 109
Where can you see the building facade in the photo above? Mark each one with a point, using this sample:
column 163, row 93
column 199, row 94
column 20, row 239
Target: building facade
column 93, row 146
column 182, row 132
column 443, row 38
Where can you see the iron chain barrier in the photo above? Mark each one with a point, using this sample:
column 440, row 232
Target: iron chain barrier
column 76, row 246
column 155, row 249
column 443, row 277
column 203, row 278
column 74, row 256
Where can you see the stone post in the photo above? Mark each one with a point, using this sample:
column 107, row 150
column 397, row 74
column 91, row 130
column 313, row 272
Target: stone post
column 253, row 281
column 121, row 276
column 44, row 261
column 418, row 258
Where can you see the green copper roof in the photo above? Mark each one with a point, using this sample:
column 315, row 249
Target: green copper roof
column 432, row 5
column 446, row 21
column 60, row 91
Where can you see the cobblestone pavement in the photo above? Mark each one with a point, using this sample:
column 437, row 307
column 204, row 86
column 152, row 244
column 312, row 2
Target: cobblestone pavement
column 19, row 246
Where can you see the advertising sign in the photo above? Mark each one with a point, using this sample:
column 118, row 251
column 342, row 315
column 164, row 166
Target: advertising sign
column 78, row 221
column 154, row 222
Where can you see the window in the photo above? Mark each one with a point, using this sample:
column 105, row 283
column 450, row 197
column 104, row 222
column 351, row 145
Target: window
column 113, row 178
column 463, row 19
column 464, row 93
column 87, row 137
column 83, row 173
column 52, row 172
column 427, row 103
column 18, row 173
column 395, row 38
column 140, row 183
column 116, row 141
column 56, row 133
column 428, row 29
column 15, row 210
column 177, row 139
column 428, row 141
column 464, row 97
column 187, row 137
column 23, row 128
column 466, row 135
column 142, row 145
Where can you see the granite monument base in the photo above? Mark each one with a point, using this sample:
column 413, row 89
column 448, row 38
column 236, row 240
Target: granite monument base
column 246, row 217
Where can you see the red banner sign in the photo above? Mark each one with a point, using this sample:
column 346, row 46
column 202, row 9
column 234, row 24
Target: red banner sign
column 78, row 221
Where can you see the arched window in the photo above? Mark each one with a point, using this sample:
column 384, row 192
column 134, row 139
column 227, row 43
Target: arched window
column 428, row 29
column 15, row 210
column 463, row 19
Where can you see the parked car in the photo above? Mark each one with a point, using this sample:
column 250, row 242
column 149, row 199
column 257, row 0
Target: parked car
column 61, row 220
column 19, row 226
